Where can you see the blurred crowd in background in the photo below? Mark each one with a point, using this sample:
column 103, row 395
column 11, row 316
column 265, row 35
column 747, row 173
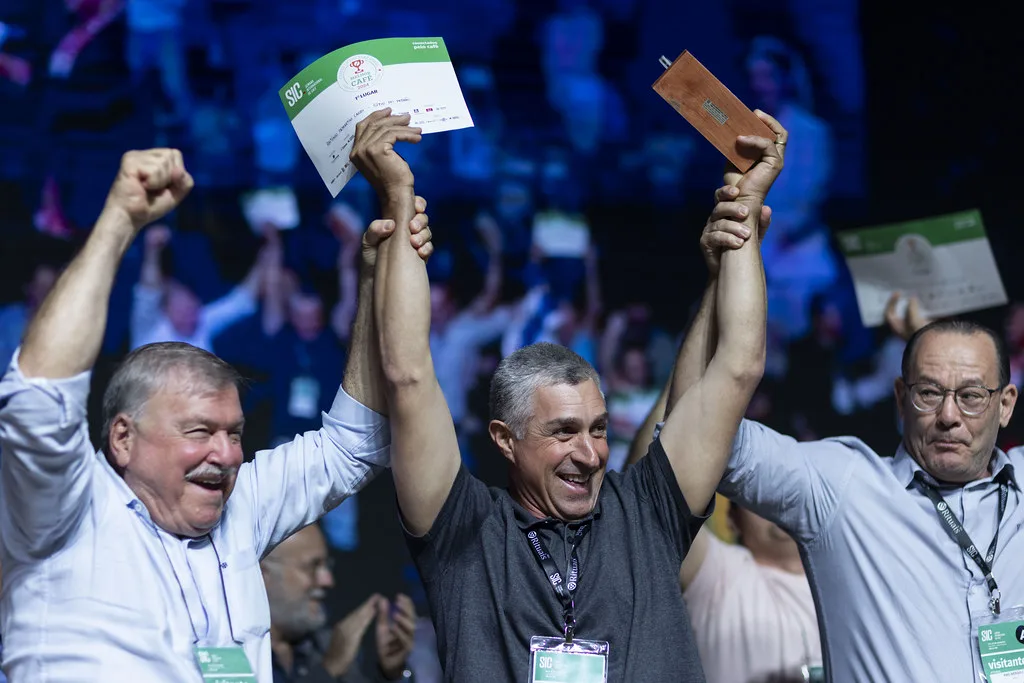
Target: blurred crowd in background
column 569, row 213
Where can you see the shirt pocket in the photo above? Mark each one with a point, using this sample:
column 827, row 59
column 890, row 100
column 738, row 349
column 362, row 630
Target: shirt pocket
column 246, row 594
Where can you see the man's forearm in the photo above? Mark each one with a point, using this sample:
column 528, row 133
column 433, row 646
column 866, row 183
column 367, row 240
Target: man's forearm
column 364, row 380
column 643, row 437
column 150, row 275
column 697, row 348
column 402, row 299
column 492, row 285
column 349, row 290
column 741, row 312
column 64, row 337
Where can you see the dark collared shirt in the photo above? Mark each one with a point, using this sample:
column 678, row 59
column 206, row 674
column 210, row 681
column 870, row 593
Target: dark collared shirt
column 308, row 666
column 488, row 594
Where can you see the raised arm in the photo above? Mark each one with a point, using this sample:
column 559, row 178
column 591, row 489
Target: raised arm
column 44, row 435
column 645, row 435
column 724, row 230
column 608, row 350
column 148, row 294
column 65, row 335
column 154, row 242
column 490, row 235
column 424, row 451
column 344, row 311
column 702, row 422
column 592, row 285
column 240, row 302
column 317, row 470
column 272, row 315
column 364, row 376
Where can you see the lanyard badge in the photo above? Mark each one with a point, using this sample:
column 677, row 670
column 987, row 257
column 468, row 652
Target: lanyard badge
column 1000, row 644
column 565, row 659
column 224, row 665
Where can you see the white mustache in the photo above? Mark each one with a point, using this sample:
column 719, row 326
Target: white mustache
column 207, row 471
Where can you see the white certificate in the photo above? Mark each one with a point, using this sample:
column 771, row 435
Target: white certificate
column 945, row 261
column 329, row 97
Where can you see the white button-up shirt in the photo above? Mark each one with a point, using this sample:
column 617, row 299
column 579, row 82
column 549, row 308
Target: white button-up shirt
column 93, row 590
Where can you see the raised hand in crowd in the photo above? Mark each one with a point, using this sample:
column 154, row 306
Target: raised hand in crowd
column 903, row 315
column 395, row 630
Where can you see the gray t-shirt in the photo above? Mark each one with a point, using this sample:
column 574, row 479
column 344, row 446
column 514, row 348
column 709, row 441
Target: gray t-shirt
column 488, row 594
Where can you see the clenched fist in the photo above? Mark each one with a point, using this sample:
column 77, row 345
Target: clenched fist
column 149, row 184
column 755, row 183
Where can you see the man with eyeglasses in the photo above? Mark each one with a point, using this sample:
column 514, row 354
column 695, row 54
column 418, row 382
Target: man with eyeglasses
column 298, row 574
column 911, row 558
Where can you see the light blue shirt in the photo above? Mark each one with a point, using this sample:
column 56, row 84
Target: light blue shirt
column 93, row 590
column 897, row 599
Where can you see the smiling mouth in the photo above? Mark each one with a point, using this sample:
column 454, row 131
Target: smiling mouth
column 216, row 486
column 576, row 482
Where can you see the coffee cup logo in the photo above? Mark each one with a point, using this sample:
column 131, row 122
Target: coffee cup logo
column 359, row 72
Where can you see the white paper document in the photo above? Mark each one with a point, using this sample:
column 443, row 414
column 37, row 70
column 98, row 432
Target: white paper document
column 945, row 261
column 329, row 97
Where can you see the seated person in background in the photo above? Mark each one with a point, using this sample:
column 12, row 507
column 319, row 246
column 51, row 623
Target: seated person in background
column 167, row 310
column 491, row 559
column 297, row 575
column 750, row 604
column 128, row 563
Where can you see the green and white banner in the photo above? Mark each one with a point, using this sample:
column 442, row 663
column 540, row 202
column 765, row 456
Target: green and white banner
column 329, row 97
column 945, row 261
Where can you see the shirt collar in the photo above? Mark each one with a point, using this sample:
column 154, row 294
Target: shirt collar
column 127, row 497
column 526, row 521
column 906, row 468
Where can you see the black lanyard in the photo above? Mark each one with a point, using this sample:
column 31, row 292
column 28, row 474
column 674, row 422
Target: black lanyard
column 564, row 589
column 956, row 531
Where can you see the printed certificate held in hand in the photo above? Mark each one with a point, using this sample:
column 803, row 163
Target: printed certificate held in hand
column 945, row 261
column 329, row 97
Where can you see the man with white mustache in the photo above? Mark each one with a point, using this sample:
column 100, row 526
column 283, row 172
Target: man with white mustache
column 131, row 563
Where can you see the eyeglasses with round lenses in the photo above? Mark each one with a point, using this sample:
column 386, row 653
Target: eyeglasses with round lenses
column 971, row 400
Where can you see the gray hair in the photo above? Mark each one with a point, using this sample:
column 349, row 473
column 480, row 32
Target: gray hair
column 146, row 370
column 520, row 374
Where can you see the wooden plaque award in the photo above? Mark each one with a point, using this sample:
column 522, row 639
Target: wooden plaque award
column 711, row 108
